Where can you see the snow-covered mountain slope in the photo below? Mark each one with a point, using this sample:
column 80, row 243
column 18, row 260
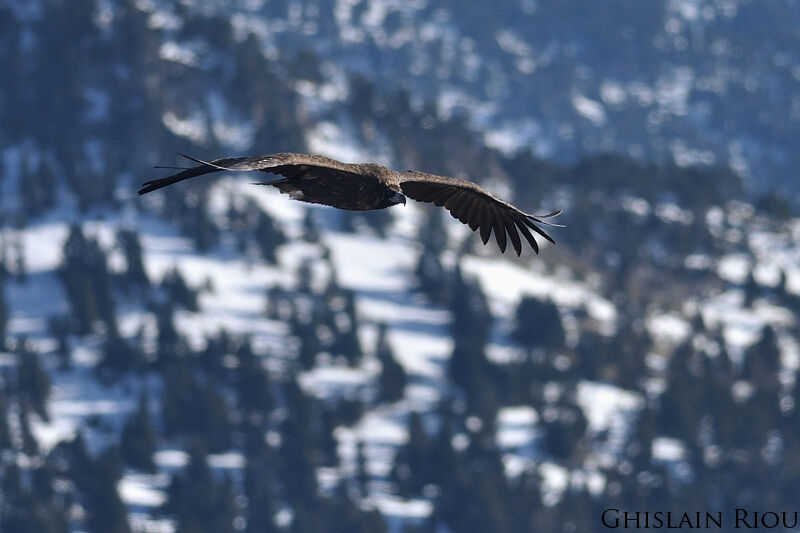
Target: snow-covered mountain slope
column 652, row 351
column 380, row 271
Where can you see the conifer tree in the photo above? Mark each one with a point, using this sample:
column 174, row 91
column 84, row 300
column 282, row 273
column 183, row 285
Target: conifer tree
column 362, row 473
column 538, row 325
column 254, row 386
column 30, row 446
column 118, row 356
column 260, row 490
column 431, row 277
column 296, row 464
column 5, row 430
column 472, row 318
column 105, row 511
column 392, row 379
column 170, row 344
column 762, row 360
column 411, row 469
column 197, row 500
column 751, row 289
column 268, row 237
column 138, row 440
column 179, row 292
column 311, row 232
column 564, row 426
column 346, row 341
column 25, row 510
column 328, row 445
column 135, row 274
column 344, row 516
column 33, row 382
column 59, row 328
column 4, row 312
column 86, row 280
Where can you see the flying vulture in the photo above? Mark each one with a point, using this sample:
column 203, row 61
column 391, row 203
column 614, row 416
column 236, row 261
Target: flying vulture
column 361, row 187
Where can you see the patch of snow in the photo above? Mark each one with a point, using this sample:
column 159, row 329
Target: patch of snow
column 612, row 93
column 555, row 479
column 328, row 139
column 138, row 490
column 171, row 459
column 698, row 262
column 331, row 381
column 235, row 132
column 673, row 213
column 516, row 426
column 145, row 523
column 685, row 156
column 608, row 409
column 512, row 43
column 734, row 268
column 172, row 51
column 510, row 282
column 633, row 204
column 226, row 461
column 589, row 109
column 668, row 327
column 194, row 127
column 513, row 136
column 668, row 449
column 393, row 506
column 741, row 326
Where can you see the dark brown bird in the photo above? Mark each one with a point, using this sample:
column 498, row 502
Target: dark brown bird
column 362, row 187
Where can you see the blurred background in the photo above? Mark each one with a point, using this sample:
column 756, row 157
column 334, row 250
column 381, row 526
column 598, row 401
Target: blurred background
column 215, row 357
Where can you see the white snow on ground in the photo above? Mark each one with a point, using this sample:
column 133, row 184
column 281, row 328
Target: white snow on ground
column 393, row 506
column 31, row 303
column 145, row 523
column 172, row 51
column 226, row 461
column 668, row 449
column 608, row 408
column 42, row 245
column 741, row 326
column 233, row 131
column 555, row 479
column 734, row 267
column 381, row 430
column 330, row 140
column 193, row 127
column 589, row 109
column 516, row 426
column 171, row 458
column 509, row 282
column 668, row 327
column 327, row 381
column 138, row 489
column 776, row 253
column 76, row 396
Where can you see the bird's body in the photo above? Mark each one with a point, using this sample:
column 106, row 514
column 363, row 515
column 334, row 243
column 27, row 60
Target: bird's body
column 365, row 186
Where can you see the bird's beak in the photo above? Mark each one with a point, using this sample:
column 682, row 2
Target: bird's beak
column 399, row 198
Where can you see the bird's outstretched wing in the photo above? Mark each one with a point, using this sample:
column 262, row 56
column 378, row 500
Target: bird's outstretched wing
column 286, row 164
column 477, row 208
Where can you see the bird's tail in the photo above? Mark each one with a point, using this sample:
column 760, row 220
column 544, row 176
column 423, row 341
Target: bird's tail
column 205, row 167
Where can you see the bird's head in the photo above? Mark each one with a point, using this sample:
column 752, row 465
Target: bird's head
column 397, row 198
